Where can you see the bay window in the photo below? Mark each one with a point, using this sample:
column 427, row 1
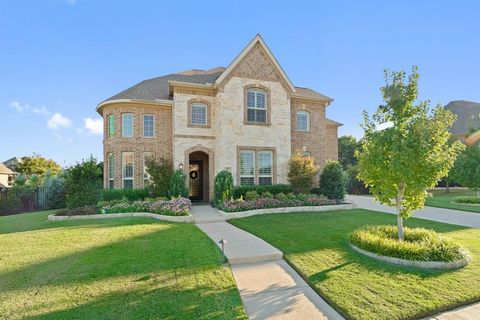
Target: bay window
column 127, row 169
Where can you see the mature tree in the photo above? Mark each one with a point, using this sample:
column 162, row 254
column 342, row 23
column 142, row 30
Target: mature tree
column 401, row 162
column 301, row 172
column 160, row 171
column 36, row 164
column 346, row 151
column 83, row 183
column 467, row 168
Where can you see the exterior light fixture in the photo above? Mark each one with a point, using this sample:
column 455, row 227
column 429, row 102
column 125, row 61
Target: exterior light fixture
column 180, row 166
column 223, row 242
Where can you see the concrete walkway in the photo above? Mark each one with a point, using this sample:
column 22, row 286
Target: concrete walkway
column 269, row 287
column 462, row 218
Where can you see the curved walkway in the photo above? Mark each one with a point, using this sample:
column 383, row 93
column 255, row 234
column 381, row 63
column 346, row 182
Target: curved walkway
column 269, row 287
column 462, row 218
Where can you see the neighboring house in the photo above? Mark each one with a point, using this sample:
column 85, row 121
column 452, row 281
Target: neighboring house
column 248, row 118
column 12, row 162
column 7, row 176
column 468, row 117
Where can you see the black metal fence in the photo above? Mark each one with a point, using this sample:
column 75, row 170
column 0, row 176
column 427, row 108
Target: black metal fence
column 14, row 201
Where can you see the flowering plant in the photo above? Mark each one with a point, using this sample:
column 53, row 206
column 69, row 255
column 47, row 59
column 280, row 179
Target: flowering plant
column 174, row 207
column 279, row 201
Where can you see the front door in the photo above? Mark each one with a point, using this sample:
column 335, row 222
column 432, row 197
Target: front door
column 196, row 180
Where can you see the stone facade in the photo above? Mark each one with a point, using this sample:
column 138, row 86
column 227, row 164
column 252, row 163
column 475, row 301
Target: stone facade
column 218, row 143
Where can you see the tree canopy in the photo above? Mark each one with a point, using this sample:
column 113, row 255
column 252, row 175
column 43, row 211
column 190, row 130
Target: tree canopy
column 37, row 164
column 467, row 168
column 346, row 151
column 400, row 162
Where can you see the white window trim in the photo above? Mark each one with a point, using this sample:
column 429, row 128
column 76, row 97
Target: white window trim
column 271, row 166
column 201, row 105
column 308, row 121
column 110, row 116
column 152, row 115
column 265, row 97
column 111, row 156
column 254, row 166
column 133, row 125
column 133, row 171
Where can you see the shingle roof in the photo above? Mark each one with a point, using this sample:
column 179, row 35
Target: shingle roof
column 307, row 92
column 158, row 88
column 468, row 116
column 5, row 170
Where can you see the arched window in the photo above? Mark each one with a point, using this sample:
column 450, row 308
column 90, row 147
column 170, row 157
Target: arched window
column 256, row 106
column 303, row 121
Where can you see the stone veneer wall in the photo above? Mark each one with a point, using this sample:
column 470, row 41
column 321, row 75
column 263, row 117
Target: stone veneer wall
column 231, row 132
column 160, row 145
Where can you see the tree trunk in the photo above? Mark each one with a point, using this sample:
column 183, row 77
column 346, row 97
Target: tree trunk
column 478, row 193
column 399, row 217
column 447, row 185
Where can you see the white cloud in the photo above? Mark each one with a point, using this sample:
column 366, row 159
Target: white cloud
column 19, row 107
column 57, row 121
column 41, row 110
column 94, row 126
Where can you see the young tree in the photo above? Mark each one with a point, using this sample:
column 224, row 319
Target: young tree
column 346, row 151
column 178, row 184
column 301, row 172
column 400, row 162
column 467, row 168
column 333, row 181
column 37, row 165
column 160, row 171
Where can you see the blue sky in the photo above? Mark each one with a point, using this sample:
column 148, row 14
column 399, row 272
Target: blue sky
column 60, row 58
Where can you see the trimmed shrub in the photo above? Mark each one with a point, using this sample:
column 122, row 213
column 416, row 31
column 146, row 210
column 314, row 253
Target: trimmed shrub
column 467, row 200
column 127, row 194
column 79, row 211
column 291, row 200
column 83, row 184
column 301, row 172
column 420, row 244
column 223, row 187
column 332, row 181
column 241, row 191
column 178, row 185
column 160, row 171
column 251, row 195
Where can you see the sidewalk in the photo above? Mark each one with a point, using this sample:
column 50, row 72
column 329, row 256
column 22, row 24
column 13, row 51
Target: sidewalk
column 462, row 218
column 268, row 286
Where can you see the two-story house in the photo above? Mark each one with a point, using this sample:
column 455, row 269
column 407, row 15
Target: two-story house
column 247, row 118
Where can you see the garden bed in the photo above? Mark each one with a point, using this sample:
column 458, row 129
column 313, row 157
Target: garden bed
column 421, row 248
column 248, row 213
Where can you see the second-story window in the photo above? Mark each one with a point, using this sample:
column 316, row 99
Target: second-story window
column 303, row 121
column 110, row 125
column 199, row 114
column 148, row 125
column 127, row 125
column 256, row 106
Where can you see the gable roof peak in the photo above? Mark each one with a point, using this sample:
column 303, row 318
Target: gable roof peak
column 256, row 40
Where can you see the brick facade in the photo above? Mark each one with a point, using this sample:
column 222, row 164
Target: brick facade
column 161, row 144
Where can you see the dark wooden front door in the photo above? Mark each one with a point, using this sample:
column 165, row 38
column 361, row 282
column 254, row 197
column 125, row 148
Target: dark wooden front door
column 196, row 180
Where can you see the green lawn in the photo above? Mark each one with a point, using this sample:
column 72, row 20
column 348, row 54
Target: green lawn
column 316, row 244
column 441, row 199
column 112, row 269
